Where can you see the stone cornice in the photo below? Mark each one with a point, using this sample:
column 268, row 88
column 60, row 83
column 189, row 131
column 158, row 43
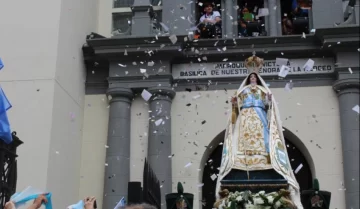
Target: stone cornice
column 339, row 37
column 107, row 48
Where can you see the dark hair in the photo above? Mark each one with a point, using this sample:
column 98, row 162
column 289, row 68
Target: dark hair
column 257, row 79
column 206, row 4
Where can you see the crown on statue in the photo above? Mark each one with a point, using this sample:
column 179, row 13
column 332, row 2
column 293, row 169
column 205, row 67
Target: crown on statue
column 254, row 64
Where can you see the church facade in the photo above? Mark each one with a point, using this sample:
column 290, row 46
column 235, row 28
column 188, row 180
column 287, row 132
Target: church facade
column 82, row 104
column 181, row 129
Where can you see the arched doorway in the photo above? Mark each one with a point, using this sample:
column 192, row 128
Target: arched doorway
column 304, row 176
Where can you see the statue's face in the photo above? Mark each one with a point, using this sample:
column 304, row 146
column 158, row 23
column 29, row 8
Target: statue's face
column 253, row 78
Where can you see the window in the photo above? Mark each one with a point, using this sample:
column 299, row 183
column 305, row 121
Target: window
column 122, row 16
column 121, row 23
column 249, row 24
column 208, row 30
column 295, row 16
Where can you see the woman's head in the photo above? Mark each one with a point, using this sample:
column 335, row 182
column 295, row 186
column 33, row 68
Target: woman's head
column 253, row 79
column 208, row 7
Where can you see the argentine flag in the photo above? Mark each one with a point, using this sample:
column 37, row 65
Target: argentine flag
column 5, row 131
column 121, row 203
column 1, row 64
column 30, row 194
column 79, row 205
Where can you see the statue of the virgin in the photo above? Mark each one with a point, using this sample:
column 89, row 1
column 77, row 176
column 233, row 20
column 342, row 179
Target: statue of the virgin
column 254, row 142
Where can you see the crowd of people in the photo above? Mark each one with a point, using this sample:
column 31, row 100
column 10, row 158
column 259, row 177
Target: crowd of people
column 210, row 22
column 89, row 203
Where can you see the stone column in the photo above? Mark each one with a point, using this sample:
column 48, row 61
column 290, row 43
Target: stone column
column 272, row 18
column 117, row 165
column 229, row 19
column 141, row 18
column 159, row 144
column 348, row 92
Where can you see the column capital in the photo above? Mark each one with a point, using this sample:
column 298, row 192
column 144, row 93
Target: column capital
column 347, row 85
column 120, row 94
column 168, row 92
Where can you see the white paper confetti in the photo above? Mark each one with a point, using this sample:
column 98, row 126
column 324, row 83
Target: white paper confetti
column 356, row 108
column 146, row 95
column 298, row 168
column 158, row 122
column 121, row 65
column 166, row 28
column 281, row 61
column 150, row 64
column 309, row 65
column 284, row 70
column 200, row 4
column 289, row 86
column 213, row 177
column 173, row 39
column 351, row 72
column 200, row 185
column 263, row 12
column 142, row 70
column 303, row 35
column 188, row 165
column 224, row 48
column 197, row 96
column 125, row 52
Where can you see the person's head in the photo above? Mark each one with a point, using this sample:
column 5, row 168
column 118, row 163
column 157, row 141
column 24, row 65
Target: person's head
column 253, row 79
column 245, row 10
column 208, row 7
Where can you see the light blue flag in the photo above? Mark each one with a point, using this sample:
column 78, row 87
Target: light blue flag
column 5, row 131
column 29, row 194
column 79, row 205
column 121, row 203
column 1, row 64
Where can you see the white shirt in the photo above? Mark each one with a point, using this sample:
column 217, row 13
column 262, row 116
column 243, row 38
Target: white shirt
column 210, row 17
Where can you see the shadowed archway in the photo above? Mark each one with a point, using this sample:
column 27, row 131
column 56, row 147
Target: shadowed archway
column 298, row 154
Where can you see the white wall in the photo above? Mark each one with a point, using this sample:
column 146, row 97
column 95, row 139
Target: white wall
column 40, row 44
column 93, row 152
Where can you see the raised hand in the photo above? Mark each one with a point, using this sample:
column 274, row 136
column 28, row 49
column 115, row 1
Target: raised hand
column 89, row 202
column 10, row 205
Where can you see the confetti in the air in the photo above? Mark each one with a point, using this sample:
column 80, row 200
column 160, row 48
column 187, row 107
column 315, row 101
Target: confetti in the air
column 121, row 65
column 289, row 86
column 146, row 95
column 213, row 177
column 188, row 165
column 173, row 39
column 150, row 64
column 263, row 12
column 158, row 122
column 356, row 109
column 298, row 168
column 281, row 61
column 309, row 65
column 284, row 70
